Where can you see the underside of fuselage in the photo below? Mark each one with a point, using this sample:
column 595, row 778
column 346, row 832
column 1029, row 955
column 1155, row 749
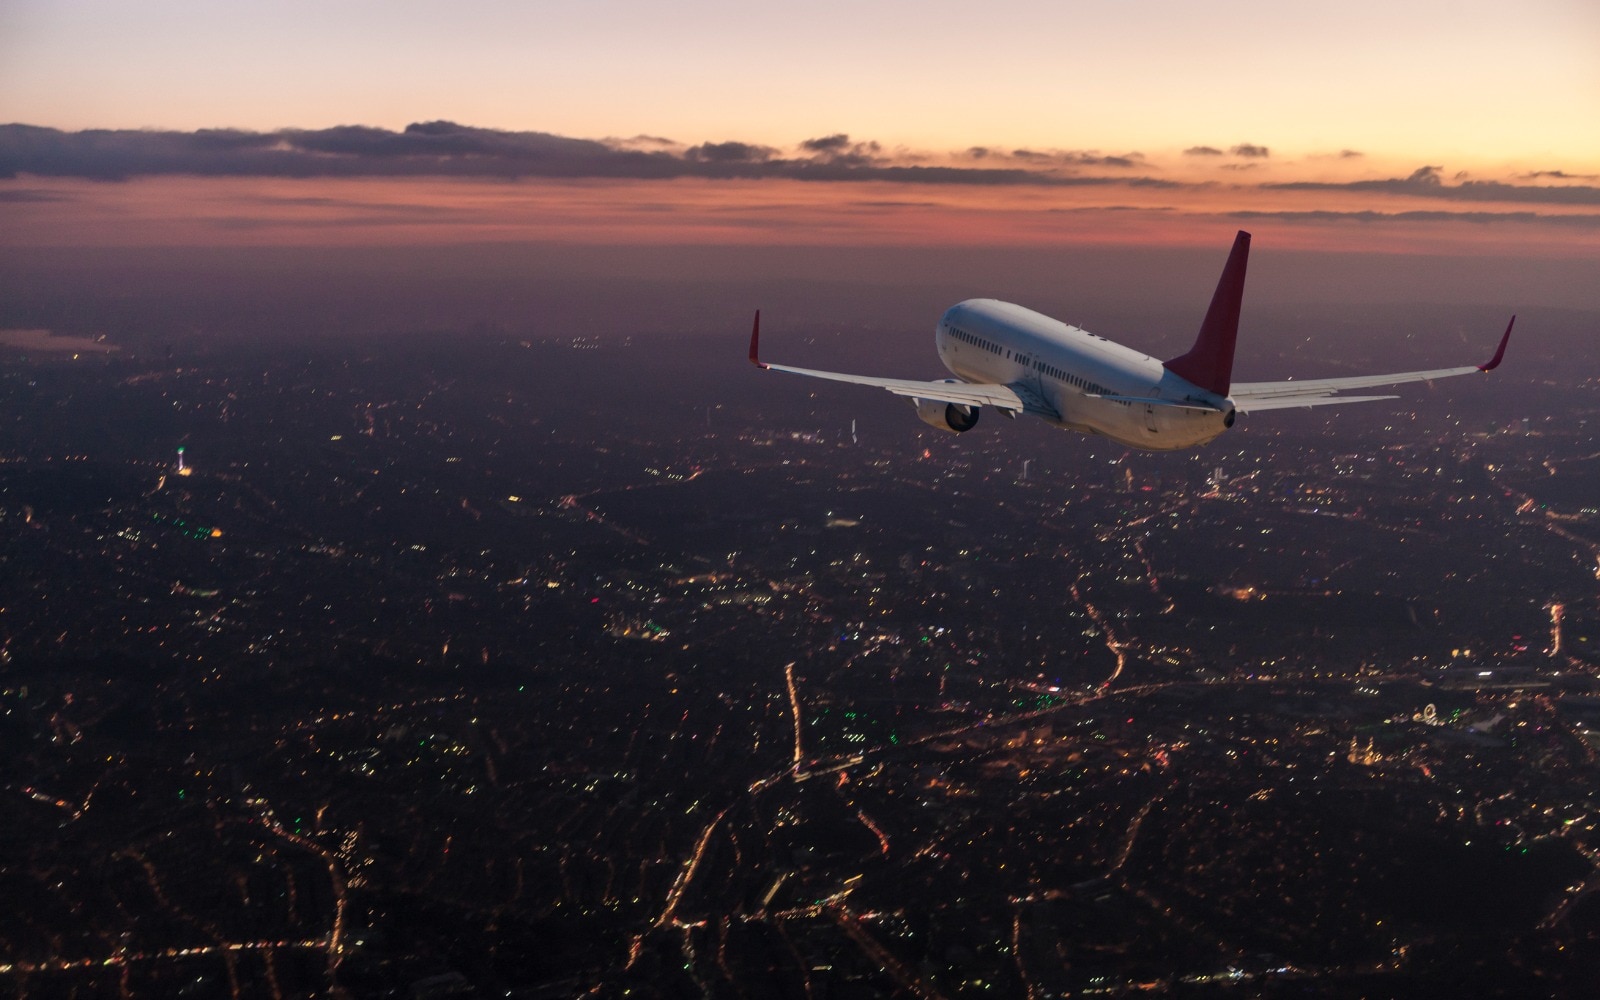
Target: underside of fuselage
column 1078, row 381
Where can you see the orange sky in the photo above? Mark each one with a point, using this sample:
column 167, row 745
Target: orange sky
column 1478, row 84
column 1124, row 94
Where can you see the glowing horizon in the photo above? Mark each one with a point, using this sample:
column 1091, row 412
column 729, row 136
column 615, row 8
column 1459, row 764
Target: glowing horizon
column 1452, row 127
column 441, row 182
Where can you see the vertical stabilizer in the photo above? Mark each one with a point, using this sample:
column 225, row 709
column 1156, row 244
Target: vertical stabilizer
column 1209, row 363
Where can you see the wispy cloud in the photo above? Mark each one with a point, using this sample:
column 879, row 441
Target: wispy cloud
column 1243, row 150
column 21, row 195
column 1482, row 218
column 1558, row 175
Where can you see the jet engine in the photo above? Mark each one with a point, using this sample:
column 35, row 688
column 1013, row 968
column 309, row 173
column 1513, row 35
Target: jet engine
column 946, row 416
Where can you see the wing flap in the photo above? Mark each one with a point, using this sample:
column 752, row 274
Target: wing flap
column 1297, row 402
column 1326, row 386
column 1014, row 399
column 961, row 393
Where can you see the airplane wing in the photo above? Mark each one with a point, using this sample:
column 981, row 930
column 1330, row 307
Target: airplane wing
column 1015, row 398
column 1253, row 397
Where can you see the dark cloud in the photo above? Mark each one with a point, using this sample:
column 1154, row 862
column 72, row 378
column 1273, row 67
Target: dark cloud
column 446, row 149
column 428, row 148
column 1426, row 182
column 1243, row 149
column 1075, row 158
column 1349, row 154
column 827, row 144
column 839, row 150
column 730, row 152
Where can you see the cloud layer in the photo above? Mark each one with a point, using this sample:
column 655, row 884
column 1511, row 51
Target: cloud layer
column 447, row 149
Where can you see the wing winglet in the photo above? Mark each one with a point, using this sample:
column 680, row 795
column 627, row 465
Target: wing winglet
column 1500, row 352
column 755, row 342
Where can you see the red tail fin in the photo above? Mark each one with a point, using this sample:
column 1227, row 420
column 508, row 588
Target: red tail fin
column 1209, row 363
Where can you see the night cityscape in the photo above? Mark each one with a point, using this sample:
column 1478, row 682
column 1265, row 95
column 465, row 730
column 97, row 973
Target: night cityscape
column 456, row 542
column 420, row 667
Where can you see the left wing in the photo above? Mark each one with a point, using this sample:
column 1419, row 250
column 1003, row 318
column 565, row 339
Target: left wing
column 1251, row 397
column 1013, row 398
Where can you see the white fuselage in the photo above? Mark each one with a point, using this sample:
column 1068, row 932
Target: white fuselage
column 985, row 340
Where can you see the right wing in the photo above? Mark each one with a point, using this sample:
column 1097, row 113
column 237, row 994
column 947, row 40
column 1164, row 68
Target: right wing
column 1251, row 397
column 1013, row 398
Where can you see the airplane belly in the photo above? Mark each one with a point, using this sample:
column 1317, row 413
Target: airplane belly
column 1175, row 429
column 1138, row 426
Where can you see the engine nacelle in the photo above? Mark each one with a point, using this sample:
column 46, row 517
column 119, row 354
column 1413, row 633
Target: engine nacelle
column 950, row 417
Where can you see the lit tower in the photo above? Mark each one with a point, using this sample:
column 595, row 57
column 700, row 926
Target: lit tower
column 182, row 469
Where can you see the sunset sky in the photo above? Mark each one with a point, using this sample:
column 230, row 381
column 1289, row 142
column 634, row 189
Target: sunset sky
column 1460, row 127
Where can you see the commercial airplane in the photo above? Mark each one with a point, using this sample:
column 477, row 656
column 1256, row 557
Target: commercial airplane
column 1019, row 361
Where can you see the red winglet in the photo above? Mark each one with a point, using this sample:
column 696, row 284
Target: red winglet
column 755, row 341
column 1500, row 351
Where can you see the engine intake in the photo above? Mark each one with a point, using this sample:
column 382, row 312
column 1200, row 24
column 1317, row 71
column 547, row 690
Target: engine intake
column 952, row 417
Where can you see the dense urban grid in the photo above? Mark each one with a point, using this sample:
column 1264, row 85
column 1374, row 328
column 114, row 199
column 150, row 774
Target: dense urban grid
column 505, row 667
